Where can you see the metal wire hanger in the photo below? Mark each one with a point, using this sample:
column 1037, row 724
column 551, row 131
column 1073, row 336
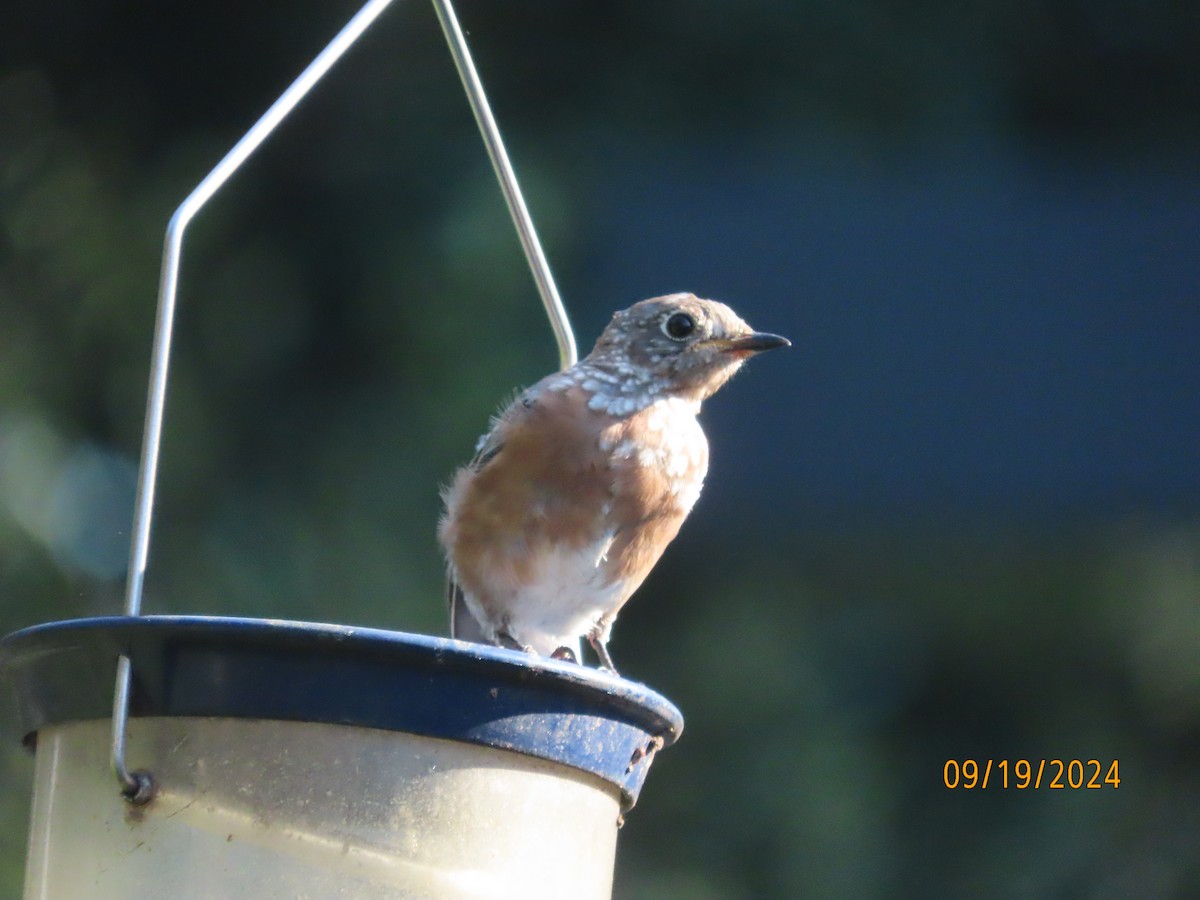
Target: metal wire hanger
column 138, row 787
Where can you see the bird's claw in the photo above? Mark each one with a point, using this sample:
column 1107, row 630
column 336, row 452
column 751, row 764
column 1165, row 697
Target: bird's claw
column 566, row 654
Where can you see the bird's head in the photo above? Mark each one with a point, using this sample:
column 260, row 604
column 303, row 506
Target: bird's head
column 687, row 346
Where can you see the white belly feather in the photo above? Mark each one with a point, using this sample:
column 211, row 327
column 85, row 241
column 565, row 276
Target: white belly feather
column 563, row 598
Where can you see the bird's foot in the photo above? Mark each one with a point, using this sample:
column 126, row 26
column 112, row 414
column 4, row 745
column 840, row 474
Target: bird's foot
column 601, row 648
column 566, row 654
column 506, row 640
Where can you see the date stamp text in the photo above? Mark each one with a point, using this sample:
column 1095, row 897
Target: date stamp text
column 1026, row 774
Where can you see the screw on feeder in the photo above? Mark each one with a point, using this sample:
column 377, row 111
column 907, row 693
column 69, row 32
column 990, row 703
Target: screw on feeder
column 138, row 786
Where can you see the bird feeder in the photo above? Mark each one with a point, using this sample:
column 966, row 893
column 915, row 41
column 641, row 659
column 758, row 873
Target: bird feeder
column 291, row 759
column 275, row 759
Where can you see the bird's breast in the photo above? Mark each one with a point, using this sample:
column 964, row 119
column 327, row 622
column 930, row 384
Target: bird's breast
column 660, row 455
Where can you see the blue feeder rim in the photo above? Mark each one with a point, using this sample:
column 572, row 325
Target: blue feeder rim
column 341, row 675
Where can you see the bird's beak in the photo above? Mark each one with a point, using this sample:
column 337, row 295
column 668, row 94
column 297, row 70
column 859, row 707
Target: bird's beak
column 755, row 342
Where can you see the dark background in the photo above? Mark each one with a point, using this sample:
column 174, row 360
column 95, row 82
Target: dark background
column 959, row 519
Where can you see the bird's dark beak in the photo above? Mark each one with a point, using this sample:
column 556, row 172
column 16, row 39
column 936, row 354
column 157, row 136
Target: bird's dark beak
column 756, row 342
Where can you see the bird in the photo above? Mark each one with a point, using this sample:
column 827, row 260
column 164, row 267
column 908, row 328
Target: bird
column 583, row 479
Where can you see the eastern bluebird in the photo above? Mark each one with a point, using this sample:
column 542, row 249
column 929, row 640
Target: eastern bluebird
column 583, row 480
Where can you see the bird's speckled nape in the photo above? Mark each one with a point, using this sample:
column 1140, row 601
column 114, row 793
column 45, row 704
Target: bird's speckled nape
column 636, row 362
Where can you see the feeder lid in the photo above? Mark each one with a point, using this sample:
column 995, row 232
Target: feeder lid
column 342, row 675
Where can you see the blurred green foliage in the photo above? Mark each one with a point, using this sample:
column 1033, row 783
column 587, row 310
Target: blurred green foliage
column 354, row 305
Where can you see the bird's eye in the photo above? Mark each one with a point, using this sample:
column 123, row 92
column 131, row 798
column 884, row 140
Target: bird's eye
column 678, row 326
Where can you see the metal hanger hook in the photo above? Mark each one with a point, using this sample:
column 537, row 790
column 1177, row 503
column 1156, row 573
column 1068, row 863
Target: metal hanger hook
column 137, row 786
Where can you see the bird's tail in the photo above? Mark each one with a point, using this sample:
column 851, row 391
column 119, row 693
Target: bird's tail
column 463, row 625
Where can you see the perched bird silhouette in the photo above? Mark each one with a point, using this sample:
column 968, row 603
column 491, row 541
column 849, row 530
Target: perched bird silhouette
column 583, row 480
